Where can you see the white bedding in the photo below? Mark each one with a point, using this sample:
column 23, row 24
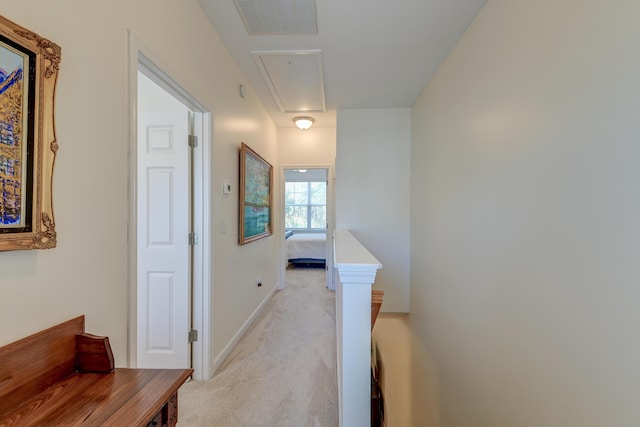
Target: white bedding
column 306, row 246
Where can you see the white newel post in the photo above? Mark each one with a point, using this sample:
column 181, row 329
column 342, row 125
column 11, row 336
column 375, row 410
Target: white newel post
column 356, row 268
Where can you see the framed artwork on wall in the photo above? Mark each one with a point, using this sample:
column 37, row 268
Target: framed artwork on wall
column 256, row 196
column 28, row 72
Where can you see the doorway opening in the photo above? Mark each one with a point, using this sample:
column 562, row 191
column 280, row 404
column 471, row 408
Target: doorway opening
column 169, row 324
column 307, row 219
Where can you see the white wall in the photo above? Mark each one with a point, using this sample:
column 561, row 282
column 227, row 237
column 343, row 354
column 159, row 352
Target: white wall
column 311, row 147
column 87, row 272
column 525, row 212
column 372, row 192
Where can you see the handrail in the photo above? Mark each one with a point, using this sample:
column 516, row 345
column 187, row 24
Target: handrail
column 356, row 268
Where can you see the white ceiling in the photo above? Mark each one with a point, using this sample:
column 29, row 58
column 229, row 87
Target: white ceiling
column 372, row 53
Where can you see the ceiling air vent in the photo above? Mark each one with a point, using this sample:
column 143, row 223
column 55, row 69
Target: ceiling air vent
column 279, row 16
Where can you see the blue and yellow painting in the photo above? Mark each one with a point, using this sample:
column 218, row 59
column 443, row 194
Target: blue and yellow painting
column 13, row 136
column 257, row 216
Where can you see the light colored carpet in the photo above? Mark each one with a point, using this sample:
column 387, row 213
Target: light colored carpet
column 282, row 372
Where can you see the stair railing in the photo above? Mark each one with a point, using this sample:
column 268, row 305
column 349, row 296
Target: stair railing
column 356, row 269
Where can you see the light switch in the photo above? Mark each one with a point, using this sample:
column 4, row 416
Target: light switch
column 226, row 188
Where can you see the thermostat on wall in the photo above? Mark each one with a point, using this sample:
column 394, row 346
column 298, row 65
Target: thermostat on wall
column 226, row 188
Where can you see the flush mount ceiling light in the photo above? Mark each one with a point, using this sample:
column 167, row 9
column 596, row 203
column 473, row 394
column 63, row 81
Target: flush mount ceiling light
column 303, row 122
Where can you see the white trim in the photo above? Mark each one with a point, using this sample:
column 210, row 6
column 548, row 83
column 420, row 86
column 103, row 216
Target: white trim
column 331, row 220
column 132, row 105
column 202, row 252
column 238, row 336
column 282, row 266
column 142, row 59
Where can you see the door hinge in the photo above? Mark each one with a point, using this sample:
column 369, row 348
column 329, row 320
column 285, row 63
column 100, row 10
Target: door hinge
column 193, row 336
column 193, row 239
column 193, row 141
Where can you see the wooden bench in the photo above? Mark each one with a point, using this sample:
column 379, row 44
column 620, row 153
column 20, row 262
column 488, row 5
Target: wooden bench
column 64, row 377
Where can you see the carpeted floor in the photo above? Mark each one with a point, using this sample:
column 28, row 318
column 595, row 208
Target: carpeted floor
column 283, row 371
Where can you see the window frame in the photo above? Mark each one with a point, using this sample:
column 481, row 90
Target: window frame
column 307, row 205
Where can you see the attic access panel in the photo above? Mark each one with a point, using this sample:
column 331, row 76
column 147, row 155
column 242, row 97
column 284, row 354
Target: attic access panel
column 295, row 79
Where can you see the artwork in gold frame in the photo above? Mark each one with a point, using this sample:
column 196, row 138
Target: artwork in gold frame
column 256, row 197
column 29, row 67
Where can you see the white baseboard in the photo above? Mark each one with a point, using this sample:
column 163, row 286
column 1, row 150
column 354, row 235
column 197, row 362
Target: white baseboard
column 236, row 338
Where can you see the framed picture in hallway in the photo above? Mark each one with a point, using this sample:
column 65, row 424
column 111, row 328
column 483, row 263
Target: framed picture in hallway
column 256, row 196
column 28, row 147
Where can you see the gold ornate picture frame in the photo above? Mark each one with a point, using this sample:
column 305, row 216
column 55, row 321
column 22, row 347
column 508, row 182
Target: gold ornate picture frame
column 256, row 197
column 29, row 67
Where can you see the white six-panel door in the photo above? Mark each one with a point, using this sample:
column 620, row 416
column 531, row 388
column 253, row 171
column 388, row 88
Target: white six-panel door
column 163, row 303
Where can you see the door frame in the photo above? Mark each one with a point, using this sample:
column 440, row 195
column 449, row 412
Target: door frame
column 330, row 224
column 142, row 59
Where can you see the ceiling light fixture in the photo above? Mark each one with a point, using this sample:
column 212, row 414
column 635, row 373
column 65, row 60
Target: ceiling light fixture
column 303, row 122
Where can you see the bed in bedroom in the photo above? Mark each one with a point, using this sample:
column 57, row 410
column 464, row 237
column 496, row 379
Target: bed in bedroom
column 306, row 249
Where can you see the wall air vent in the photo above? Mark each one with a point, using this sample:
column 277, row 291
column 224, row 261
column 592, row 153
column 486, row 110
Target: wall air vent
column 278, row 16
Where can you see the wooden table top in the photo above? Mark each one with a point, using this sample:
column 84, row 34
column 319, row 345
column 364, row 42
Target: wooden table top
column 124, row 397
